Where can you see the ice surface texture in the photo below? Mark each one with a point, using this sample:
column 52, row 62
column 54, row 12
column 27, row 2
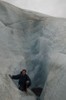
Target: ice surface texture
column 36, row 42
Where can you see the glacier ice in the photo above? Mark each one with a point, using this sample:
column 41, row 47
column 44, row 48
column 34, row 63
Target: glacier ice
column 36, row 42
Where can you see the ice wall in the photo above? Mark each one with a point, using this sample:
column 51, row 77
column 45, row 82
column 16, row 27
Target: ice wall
column 55, row 86
column 22, row 43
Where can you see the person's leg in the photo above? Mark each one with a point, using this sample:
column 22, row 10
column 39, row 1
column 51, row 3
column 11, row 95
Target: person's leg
column 28, row 85
column 24, row 87
column 21, row 88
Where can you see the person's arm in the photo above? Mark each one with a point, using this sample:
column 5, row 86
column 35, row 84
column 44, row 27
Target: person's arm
column 15, row 76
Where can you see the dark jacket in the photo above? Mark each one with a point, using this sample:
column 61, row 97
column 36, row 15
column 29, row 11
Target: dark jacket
column 22, row 79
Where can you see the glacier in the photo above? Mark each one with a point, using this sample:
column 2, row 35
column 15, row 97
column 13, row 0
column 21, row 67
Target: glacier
column 36, row 42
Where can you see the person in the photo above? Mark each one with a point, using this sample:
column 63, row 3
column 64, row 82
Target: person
column 24, row 80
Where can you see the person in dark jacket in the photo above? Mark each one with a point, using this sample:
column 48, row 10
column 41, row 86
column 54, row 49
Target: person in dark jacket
column 24, row 80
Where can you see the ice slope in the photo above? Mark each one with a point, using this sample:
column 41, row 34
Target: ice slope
column 55, row 87
column 11, row 56
column 8, row 90
column 20, row 41
column 36, row 42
